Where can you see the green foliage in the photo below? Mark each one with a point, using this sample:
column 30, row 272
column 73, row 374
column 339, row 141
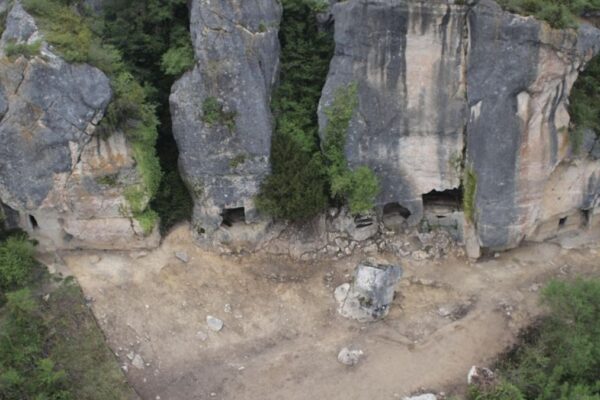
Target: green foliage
column 26, row 372
column 13, row 49
column 108, row 180
column 213, row 113
column 360, row 187
column 16, row 262
column 296, row 188
column 303, row 176
column 178, row 59
column 174, row 200
column 584, row 103
column 469, row 183
column 500, row 391
column 560, row 358
column 559, row 13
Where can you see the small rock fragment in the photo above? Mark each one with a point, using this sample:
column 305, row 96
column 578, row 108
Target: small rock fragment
column 227, row 308
column 182, row 256
column 201, row 335
column 349, row 357
column 214, row 324
column 426, row 396
column 138, row 362
column 480, row 376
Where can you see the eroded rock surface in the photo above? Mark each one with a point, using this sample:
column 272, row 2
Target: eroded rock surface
column 65, row 182
column 221, row 113
column 446, row 89
column 371, row 292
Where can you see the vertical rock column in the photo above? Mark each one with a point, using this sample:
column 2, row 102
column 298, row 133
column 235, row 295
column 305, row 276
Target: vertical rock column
column 221, row 112
column 520, row 74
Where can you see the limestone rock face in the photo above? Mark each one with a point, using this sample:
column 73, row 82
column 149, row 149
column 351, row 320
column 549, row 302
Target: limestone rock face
column 520, row 74
column 221, row 111
column 444, row 89
column 407, row 58
column 65, row 183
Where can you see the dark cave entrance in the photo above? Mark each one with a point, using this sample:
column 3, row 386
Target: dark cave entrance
column 395, row 210
column 233, row 216
column 443, row 202
column 586, row 218
column 562, row 222
column 33, row 222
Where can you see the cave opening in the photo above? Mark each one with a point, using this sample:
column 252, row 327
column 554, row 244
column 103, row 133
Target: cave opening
column 233, row 216
column 562, row 222
column 586, row 218
column 446, row 201
column 395, row 210
column 33, row 222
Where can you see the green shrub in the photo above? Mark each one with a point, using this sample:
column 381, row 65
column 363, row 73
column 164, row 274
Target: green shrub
column 469, row 183
column 560, row 358
column 179, row 59
column 13, row 49
column 500, row 391
column 213, row 113
column 358, row 188
column 16, row 262
column 26, row 373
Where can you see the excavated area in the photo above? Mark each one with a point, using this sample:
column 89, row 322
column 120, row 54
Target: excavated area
column 282, row 333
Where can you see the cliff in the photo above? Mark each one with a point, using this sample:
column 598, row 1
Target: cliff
column 465, row 98
column 59, row 179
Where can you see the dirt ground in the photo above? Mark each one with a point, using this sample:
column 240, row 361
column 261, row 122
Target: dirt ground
column 282, row 333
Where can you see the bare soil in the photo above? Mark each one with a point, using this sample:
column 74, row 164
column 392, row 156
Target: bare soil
column 282, row 333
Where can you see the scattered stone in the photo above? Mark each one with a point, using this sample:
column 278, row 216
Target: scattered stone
column 138, row 362
column 349, row 357
column 426, row 396
column 227, row 308
column 480, row 376
column 214, row 324
column 420, row 255
column 202, row 335
column 182, row 256
column 370, row 294
column 535, row 287
column 46, row 297
column 135, row 255
column 131, row 355
column 124, row 368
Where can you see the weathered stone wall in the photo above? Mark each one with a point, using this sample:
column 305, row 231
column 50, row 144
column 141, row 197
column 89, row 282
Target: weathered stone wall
column 408, row 61
column 444, row 87
column 224, row 162
column 520, row 74
column 66, row 183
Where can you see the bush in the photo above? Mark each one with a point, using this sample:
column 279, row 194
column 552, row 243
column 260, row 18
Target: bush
column 178, row 60
column 213, row 113
column 560, row 358
column 500, row 391
column 16, row 262
column 13, row 49
column 358, row 188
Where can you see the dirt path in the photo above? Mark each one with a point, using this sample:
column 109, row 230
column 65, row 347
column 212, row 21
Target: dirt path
column 282, row 333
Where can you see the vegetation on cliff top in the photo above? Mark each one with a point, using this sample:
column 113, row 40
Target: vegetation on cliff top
column 585, row 103
column 558, row 13
column 303, row 177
